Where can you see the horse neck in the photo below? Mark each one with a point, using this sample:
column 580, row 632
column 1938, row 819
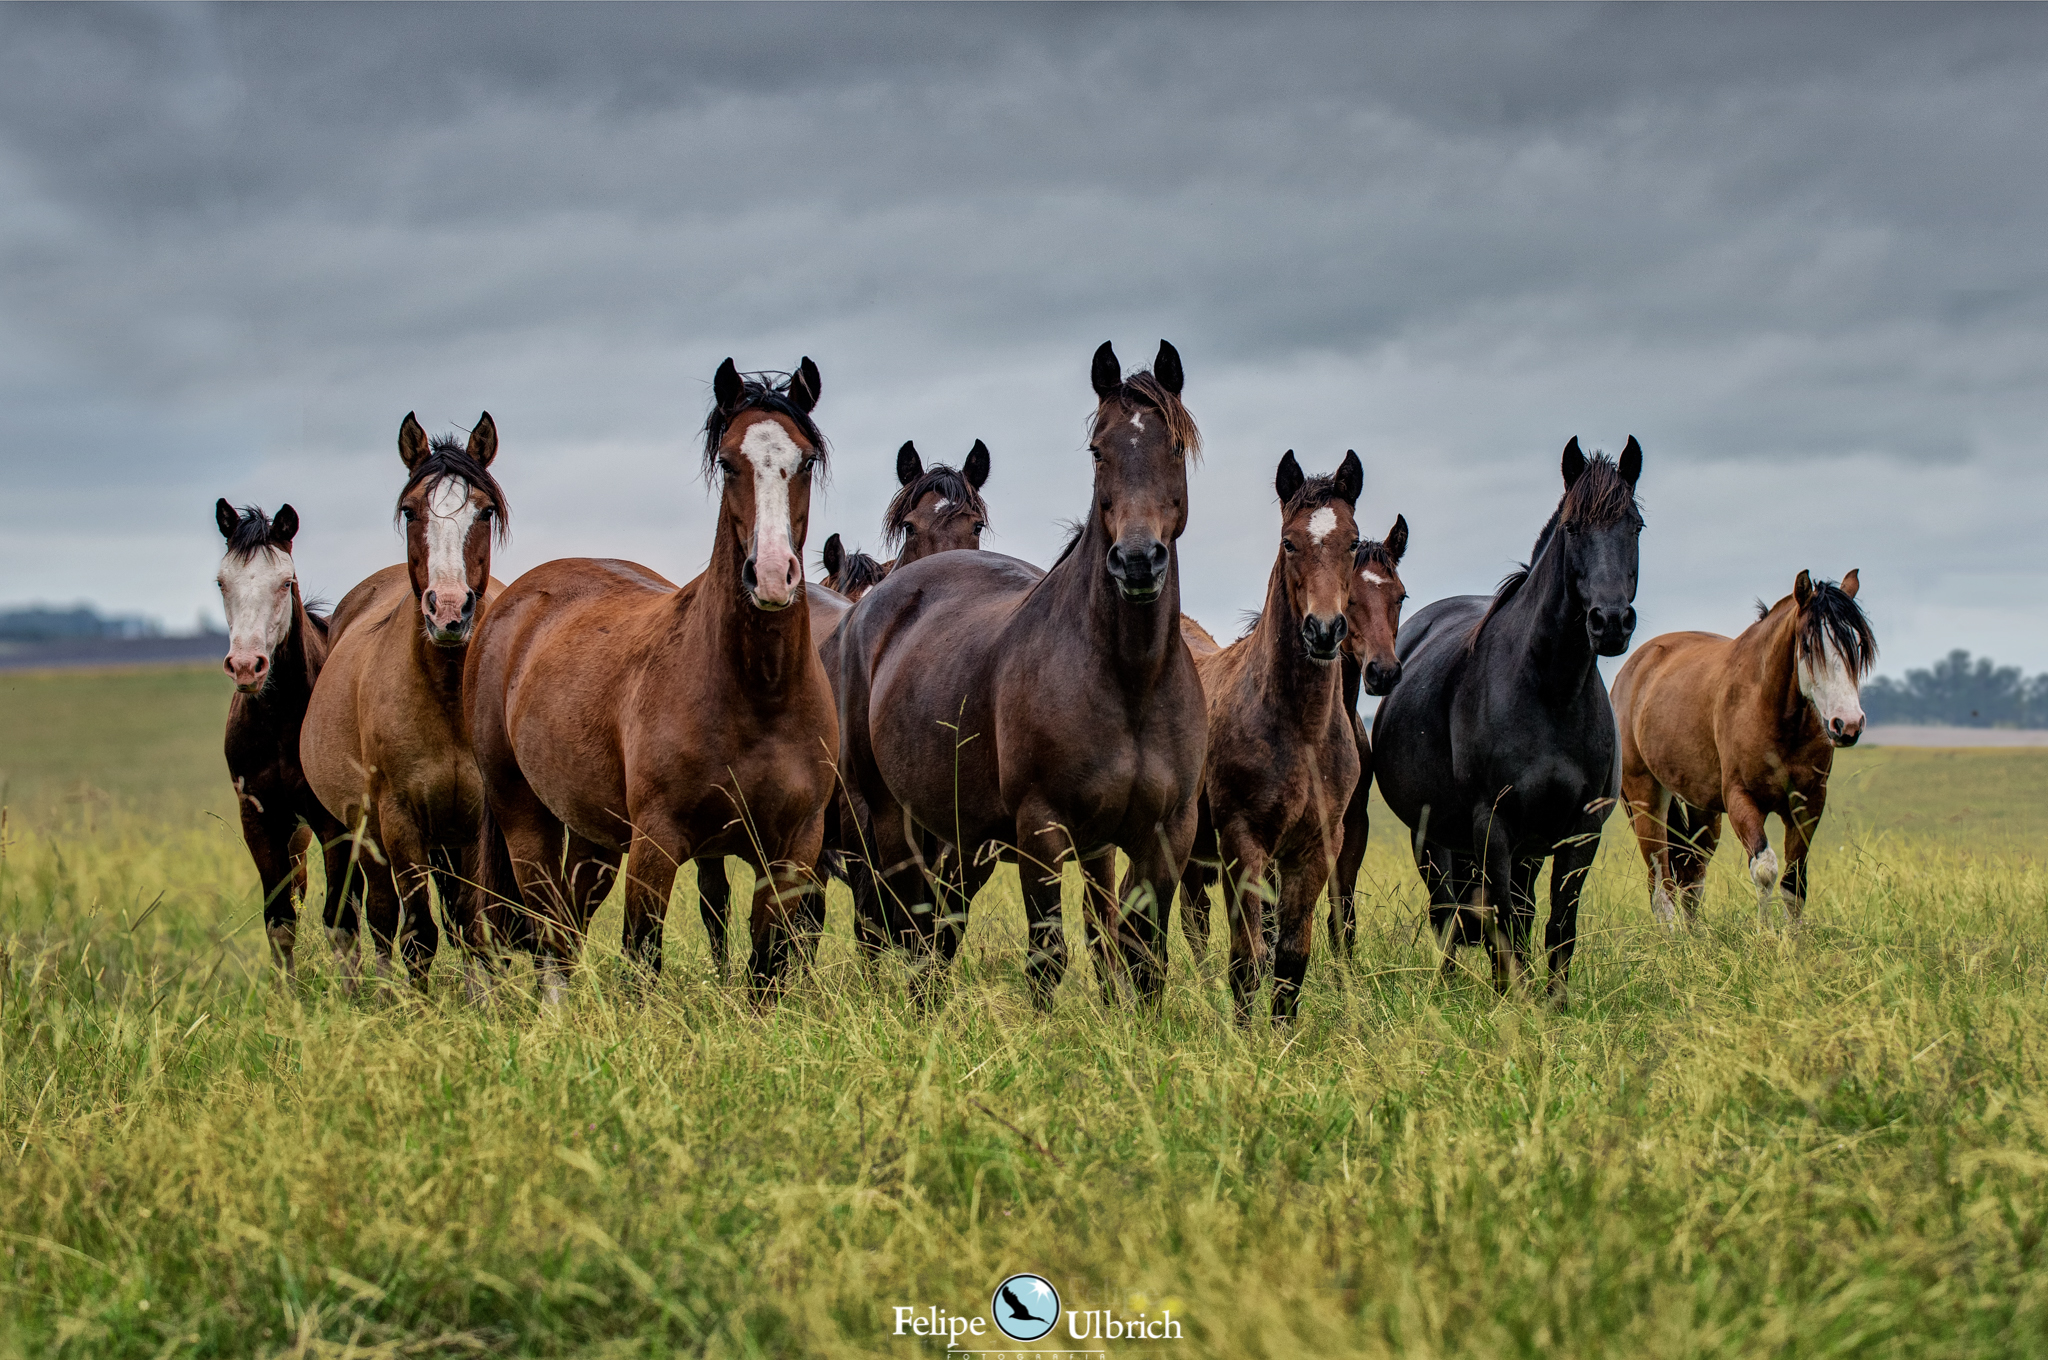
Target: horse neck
column 1546, row 626
column 294, row 665
column 1773, row 645
column 1133, row 642
column 765, row 650
column 442, row 666
column 1297, row 685
column 1354, row 681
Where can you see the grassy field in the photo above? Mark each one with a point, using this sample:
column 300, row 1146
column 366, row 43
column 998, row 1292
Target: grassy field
column 1733, row 1144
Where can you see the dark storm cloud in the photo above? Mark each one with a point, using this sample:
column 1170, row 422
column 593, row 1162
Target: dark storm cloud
column 1792, row 249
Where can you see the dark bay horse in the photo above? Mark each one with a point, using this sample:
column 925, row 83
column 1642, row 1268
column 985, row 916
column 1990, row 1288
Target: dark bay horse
column 615, row 715
column 276, row 647
column 935, row 509
column 1371, row 664
column 1054, row 714
column 1283, row 756
column 1497, row 748
column 1747, row 726
column 383, row 744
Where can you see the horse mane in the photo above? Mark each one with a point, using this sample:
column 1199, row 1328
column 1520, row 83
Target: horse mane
column 1142, row 389
column 1600, row 499
column 1830, row 615
column 1075, row 529
column 251, row 535
column 1373, row 553
column 766, row 391
column 448, row 456
column 952, row 486
column 858, row 572
column 1311, row 494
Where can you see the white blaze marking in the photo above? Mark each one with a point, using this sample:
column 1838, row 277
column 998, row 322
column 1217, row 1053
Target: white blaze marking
column 1138, row 421
column 1321, row 522
column 450, row 515
column 1831, row 688
column 1371, row 576
column 775, row 458
column 257, row 598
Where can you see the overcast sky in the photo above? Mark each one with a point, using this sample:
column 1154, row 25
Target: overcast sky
column 1797, row 252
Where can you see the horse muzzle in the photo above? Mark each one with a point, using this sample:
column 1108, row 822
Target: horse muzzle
column 249, row 670
column 1845, row 732
column 448, row 627
column 760, row 592
column 1381, row 679
column 1610, row 629
column 1139, row 570
column 1323, row 637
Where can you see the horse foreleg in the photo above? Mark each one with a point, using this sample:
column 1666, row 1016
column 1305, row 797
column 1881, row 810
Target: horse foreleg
column 1650, row 807
column 654, row 856
column 1246, row 891
column 781, row 906
column 714, row 905
column 1102, row 913
column 1149, row 883
column 273, row 837
column 1696, row 833
column 1568, row 869
column 1746, row 819
column 1801, row 822
column 1496, row 891
column 1301, row 883
column 418, row 938
column 1042, row 849
column 1350, row 860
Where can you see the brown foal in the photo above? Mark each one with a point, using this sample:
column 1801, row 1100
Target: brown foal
column 383, row 743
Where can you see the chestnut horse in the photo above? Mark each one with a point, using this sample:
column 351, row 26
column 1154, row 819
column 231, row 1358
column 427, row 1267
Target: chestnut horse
column 383, row 743
column 1370, row 663
column 1283, row 753
column 937, row 509
column 1497, row 748
column 616, row 715
column 1747, row 726
column 276, row 647
column 1055, row 714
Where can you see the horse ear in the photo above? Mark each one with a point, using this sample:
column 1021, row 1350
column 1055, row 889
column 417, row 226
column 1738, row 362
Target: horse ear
column 833, row 555
column 1802, row 589
column 976, row 467
column 284, row 527
column 1397, row 538
column 224, row 515
column 909, row 467
column 1289, row 478
column 483, row 440
column 1350, row 479
column 1850, row 584
column 1167, row 368
column 412, row 441
column 727, row 387
column 1107, row 374
column 1574, row 463
column 1631, row 461
column 805, row 386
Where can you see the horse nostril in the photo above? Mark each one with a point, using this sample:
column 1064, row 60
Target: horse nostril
column 1340, row 629
column 1156, row 558
column 468, row 604
column 1628, row 619
column 433, row 603
column 747, row 577
column 262, row 664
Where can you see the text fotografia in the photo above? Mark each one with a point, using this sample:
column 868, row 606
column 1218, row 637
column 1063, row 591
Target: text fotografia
column 1093, row 1324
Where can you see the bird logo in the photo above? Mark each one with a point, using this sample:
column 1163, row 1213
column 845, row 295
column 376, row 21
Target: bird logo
column 1025, row 1307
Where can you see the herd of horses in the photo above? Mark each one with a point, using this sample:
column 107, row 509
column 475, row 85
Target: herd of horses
column 509, row 752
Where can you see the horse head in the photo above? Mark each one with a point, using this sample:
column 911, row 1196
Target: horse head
column 1597, row 526
column 761, row 441
column 1318, row 540
column 258, row 588
column 1375, row 614
column 938, row 508
column 1835, row 649
column 1141, row 440
column 452, row 508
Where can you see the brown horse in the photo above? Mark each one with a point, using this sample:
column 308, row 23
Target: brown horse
column 1747, row 726
column 383, row 743
column 936, row 510
column 1055, row 714
column 276, row 647
column 1370, row 664
column 1283, row 749
column 616, row 715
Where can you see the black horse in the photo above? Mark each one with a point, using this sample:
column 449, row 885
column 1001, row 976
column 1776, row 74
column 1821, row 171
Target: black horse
column 1498, row 746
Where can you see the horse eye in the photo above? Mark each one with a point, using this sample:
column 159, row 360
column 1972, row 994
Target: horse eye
column 411, row 514
column 1288, row 546
column 979, row 526
column 487, row 512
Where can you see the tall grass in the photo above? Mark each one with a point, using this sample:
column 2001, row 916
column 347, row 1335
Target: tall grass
column 1734, row 1143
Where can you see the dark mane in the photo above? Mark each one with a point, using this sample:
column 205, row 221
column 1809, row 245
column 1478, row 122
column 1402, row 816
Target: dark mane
column 251, row 535
column 1373, row 553
column 1312, row 494
column 952, row 486
column 1600, row 499
column 1142, row 389
column 858, row 572
column 758, row 392
column 448, row 456
column 1074, row 532
column 1829, row 614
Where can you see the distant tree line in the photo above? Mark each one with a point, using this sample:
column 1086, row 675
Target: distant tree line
column 1959, row 691
column 39, row 623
